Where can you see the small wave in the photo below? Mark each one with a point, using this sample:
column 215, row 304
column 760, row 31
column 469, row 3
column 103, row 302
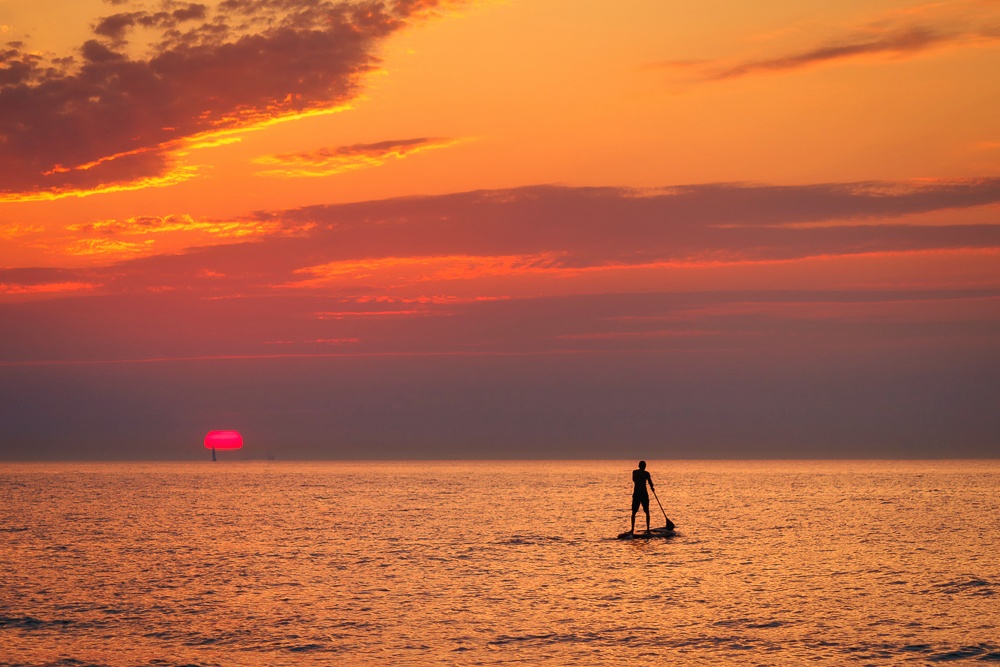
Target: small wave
column 356, row 625
column 516, row 639
column 522, row 540
column 610, row 637
column 13, row 529
column 203, row 641
column 916, row 648
column 73, row 662
column 31, row 623
column 983, row 652
column 748, row 623
column 304, row 648
column 972, row 586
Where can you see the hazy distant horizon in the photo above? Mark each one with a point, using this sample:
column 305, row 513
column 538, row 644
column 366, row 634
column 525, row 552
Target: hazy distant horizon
column 627, row 462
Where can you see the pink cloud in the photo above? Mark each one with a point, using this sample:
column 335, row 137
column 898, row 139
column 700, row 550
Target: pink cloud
column 105, row 119
column 431, row 244
column 45, row 288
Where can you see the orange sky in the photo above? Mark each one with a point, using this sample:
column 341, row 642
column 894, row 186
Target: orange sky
column 443, row 161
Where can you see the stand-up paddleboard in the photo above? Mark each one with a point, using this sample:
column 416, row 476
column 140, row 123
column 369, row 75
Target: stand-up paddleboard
column 647, row 535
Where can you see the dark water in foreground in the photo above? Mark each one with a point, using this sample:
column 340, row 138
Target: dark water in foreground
column 489, row 563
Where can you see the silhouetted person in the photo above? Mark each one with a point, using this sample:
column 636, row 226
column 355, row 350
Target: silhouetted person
column 640, row 496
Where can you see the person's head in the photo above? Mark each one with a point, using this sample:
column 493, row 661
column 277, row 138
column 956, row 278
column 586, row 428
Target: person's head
column 642, row 465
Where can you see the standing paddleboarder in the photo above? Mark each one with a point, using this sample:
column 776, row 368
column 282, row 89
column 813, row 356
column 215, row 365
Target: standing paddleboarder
column 640, row 496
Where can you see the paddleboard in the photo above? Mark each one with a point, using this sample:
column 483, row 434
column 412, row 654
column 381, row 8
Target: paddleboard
column 643, row 535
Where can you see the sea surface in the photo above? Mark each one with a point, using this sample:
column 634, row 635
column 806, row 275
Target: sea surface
column 489, row 563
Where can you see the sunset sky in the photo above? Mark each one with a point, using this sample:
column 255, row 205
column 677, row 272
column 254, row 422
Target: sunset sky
column 500, row 229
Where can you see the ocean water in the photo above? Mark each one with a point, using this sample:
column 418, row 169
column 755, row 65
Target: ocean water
column 488, row 563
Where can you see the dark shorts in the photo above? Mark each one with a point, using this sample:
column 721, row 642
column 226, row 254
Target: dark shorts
column 640, row 500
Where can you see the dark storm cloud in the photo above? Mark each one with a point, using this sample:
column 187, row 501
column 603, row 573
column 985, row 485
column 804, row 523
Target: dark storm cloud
column 110, row 118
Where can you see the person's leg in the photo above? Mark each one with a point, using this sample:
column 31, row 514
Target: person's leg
column 645, row 508
column 635, row 509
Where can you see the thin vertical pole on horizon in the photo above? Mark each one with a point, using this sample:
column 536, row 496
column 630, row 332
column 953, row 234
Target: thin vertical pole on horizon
column 670, row 524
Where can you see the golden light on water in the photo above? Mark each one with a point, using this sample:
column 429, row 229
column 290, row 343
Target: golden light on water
column 492, row 562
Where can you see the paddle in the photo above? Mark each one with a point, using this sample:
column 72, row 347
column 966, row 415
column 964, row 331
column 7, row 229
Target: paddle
column 670, row 524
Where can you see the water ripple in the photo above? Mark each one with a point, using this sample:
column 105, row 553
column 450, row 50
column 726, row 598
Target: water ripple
column 282, row 565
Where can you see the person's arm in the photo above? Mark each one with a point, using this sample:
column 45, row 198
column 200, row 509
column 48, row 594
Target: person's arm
column 649, row 478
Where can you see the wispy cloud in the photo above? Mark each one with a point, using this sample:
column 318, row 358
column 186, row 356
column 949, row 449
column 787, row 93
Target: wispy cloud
column 434, row 268
column 146, row 235
column 44, row 288
column 104, row 119
column 336, row 160
column 149, row 224
column 347, row 314
column 548, row 228
column 490, row 237
column 893, row 36
column 15, row 230
column 907, row 42
column 107, row 247
column 132, row 327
